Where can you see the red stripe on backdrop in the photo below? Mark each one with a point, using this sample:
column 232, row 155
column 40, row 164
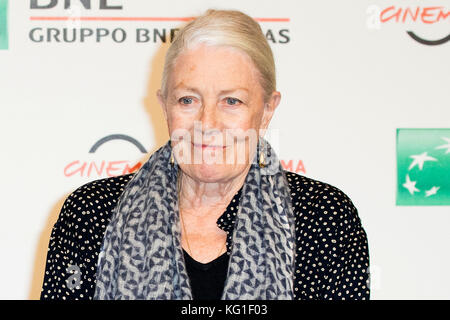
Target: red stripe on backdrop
column 140, row 19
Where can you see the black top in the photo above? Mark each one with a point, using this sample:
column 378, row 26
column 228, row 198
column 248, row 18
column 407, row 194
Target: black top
column 207, row 279
column 332, row 257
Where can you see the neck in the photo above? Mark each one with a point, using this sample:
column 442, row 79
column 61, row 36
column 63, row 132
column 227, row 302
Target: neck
column 197, row 195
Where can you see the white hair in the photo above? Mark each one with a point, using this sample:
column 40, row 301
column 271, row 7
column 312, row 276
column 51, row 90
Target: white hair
column 228, row 28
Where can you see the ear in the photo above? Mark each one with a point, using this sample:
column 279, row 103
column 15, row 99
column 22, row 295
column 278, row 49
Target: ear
column 269, row 109
column 162, row 102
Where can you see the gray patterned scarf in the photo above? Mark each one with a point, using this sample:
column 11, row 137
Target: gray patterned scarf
column 142, row 257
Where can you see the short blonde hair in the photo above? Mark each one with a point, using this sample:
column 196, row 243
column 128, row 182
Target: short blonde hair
column 227, row 28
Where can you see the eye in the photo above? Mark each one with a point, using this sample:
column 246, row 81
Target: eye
column 233, row 101
column 186, row 100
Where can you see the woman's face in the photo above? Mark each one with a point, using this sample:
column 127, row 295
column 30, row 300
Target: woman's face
column 215, row 109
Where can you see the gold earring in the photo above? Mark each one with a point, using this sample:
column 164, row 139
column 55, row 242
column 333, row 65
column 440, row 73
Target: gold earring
column 172, row 160
column 262, row 162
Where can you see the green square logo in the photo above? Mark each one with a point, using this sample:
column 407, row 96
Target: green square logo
column 3, row 24
column 423, row 167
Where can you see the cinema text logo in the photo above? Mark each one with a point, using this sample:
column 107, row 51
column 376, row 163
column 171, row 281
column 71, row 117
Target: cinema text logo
column 4, row 24
column 77, row 27
column 105, row 168
column 426, row 15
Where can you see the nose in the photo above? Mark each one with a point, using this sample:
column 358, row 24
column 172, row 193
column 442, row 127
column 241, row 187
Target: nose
column 208, row 117
column 207, row 125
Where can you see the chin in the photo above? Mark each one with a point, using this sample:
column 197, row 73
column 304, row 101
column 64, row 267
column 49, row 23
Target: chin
column 210, row 173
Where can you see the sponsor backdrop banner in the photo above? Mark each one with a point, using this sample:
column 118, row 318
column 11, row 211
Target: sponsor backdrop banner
column 3, row 24
column 429, row 169
column 364, row 107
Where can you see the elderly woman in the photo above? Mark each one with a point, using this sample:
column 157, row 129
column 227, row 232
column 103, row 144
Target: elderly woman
column 212, row 214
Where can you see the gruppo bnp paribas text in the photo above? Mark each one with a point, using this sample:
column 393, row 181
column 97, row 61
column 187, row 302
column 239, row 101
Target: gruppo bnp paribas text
column 95, row 21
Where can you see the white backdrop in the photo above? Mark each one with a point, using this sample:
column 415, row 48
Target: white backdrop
column 349, row 75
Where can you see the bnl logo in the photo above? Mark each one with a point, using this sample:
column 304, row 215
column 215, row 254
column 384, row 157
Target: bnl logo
column 3, row 24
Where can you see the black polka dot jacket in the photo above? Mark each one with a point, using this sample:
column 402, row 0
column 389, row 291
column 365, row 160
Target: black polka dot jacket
column 332, row 258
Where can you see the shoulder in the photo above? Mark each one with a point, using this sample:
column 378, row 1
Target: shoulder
column 314, row 190
column 321, row 202
column 93, row 201
column 99, row 190
column 107, row 187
